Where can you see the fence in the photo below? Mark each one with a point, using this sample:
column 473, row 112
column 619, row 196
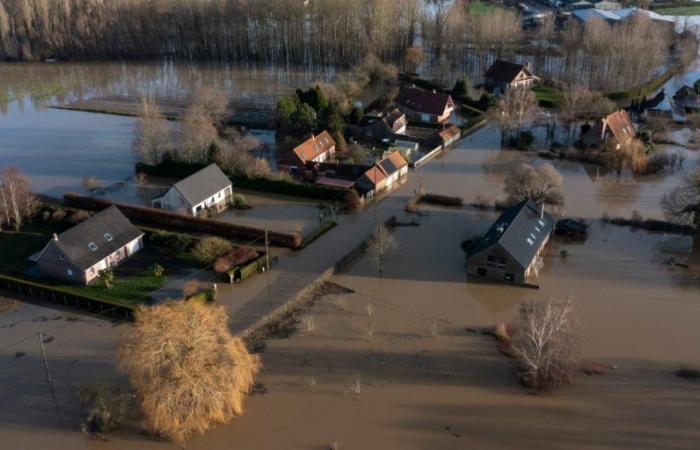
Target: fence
column 58, row 296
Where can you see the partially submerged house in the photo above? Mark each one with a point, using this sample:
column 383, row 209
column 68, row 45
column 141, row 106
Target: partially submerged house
column 387, row 125
column 207, row 189
column 384, row 174
column 446, row 136
column 617, row 125
column 510, row 250
column 318, row 148
column 100, row 242
column 504, row 75
column 424, row 106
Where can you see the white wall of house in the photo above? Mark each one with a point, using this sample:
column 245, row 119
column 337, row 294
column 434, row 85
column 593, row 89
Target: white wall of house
column 114, row 258
column 174, row 201
column 220, row 197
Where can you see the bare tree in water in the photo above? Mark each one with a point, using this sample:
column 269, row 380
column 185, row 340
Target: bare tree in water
column 546, row 338
column 153, row 139
column 187, row 369
column 17, row 203
column 542, row 184
column 682, row 204
column 381, row 246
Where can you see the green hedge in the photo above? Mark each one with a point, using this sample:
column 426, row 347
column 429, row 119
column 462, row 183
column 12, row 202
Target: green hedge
column 249, row 269
column 175, row 169
column 646, row 89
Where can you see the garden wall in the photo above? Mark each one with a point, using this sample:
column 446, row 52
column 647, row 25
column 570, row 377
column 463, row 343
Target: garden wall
column 172, row 220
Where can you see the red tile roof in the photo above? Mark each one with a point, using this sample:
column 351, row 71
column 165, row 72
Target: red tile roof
column 314, row 146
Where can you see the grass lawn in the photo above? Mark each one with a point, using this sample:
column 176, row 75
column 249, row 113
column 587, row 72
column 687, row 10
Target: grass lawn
column 548, row 96
column 686, row 10
column 130, row 291
column 479, row 8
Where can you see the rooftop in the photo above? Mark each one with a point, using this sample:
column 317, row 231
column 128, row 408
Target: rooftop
column 202, row 184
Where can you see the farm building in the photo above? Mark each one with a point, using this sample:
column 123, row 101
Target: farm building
column 207, row 189
column 510, row 250
column 100, row 242
column 425, row 106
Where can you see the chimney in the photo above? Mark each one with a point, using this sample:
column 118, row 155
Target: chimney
column 55, row 237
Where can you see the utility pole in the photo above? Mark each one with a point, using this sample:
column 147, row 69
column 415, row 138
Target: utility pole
column 267, row 253
column 48, row 375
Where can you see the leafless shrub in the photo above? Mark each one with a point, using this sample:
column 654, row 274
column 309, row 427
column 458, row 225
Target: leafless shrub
column 682, row 204
column 356, row 386
column 153, row 134
column 190, row 288
column 208, row 249
column 58, row 216
column 341, row 303
column 307, row 323
column 545, row 342
column 107, row 408
column 311, row 381
column 187, row 370
column 17, row 203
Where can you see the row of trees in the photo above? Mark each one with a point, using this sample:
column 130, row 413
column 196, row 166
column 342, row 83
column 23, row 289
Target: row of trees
column 196, row 137
column 17, row 203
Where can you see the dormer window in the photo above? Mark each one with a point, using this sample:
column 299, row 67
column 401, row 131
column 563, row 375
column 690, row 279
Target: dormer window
column 108, row 237
column 92, row 246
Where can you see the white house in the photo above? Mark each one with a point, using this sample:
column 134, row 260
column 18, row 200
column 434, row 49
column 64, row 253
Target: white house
column 79, row 254
column 207, row 189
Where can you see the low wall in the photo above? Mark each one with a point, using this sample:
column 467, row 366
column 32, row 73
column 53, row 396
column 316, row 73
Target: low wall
column 172, row 220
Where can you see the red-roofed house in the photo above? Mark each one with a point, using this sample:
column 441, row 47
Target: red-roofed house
column 384, row 174
column 617, row 124
column 316, row 149
column 424, row 106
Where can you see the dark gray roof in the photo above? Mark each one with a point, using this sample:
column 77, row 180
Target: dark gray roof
column 203, row 184
column 505, row 71
column 75, row 244
column 519, row 230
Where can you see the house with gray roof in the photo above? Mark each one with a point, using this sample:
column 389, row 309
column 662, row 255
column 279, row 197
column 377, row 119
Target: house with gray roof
column 100, row 242
column 208, row 189
column 510, row 250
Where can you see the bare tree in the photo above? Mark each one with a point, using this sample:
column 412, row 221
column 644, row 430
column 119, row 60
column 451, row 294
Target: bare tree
column 515, row 109
column 213, row 102
column 542, row 184
column 187, row 369
column 682, row 204
column 17, row 203
column 546, row 338
column 414, row 57
column 153, row 135
column 198, row 136
column 381, row 246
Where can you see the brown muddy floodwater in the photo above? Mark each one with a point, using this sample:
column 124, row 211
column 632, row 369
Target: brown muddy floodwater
column 425, row 380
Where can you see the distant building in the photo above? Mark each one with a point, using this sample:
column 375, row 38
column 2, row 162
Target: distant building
column 687, row 98
column 384, row 174
column 617, row 124
column 510, row 250
column 316, row 149
column 608, row 5
column 100, row 242
column 425, row 106
column 209, row 188
column 613, row 16
column 504, row 75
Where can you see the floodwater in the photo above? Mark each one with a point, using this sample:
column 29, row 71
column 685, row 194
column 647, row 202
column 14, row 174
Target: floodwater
column 58, row 148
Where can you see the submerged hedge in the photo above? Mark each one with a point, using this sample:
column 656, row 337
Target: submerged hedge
column 176, row 221
column 646, row 89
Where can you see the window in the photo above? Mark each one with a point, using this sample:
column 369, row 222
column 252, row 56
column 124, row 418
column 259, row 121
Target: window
column 92, row 246
column 538, row 229
column 92, row 270
column 509, row 277
column 541, row 222
column 108, row 237
column 69, row 272
column 61, row 257
column 481, row 272
column 501, row 260
column 530, row 241
column 118, row 253
column 490, row 258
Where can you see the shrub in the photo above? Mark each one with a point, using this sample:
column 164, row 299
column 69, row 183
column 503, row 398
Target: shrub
column 233, row 258
column 45, row 216
column 58, row 216
column 107, row 278
column 443, row 200
column 190, row 288
column 239, row 201
column 79, row 216
column 209, row 248
column 107, row 407
column 157, row 270
column 175, row 243
column 564, row 253
column 352, row 200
